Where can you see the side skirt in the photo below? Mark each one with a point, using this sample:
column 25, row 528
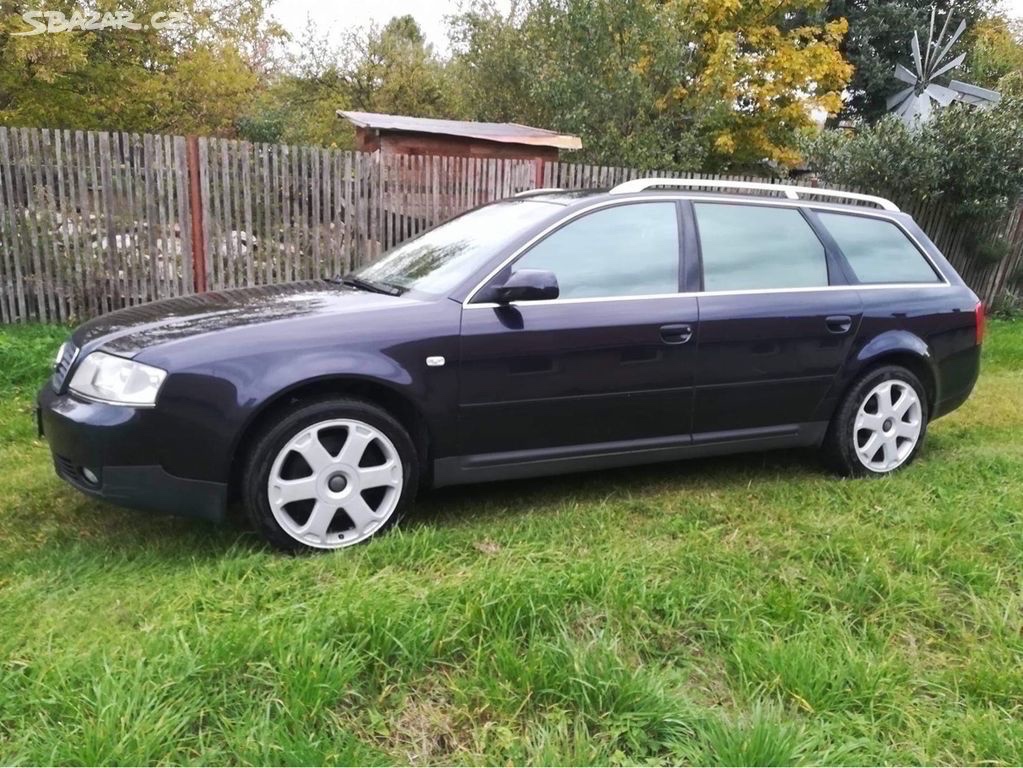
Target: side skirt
column 512, row 465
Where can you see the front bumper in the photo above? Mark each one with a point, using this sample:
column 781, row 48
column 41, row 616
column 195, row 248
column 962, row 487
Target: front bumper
column 109, row 452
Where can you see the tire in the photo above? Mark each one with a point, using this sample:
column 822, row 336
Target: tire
column 873, row 434
column 329, row 474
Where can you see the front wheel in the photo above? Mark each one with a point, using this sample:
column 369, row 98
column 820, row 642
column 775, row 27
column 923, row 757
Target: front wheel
column 880, row 425
column 329, row 474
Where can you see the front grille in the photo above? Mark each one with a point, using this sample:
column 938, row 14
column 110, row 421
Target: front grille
column 63, row 366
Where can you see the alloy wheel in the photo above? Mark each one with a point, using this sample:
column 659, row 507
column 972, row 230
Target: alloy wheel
column 888, row 426
column 335, row 483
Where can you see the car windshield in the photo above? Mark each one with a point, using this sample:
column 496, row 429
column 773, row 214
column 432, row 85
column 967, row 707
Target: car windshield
column 440, row 259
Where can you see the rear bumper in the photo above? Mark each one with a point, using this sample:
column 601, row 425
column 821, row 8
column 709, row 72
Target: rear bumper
column 107, row 452
column 958, row 376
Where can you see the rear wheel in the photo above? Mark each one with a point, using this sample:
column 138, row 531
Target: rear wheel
column 329, row 474
column 881, row 424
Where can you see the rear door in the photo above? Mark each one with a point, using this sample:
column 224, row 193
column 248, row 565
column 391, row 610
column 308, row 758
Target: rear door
column 777, row 321
column 609, row 362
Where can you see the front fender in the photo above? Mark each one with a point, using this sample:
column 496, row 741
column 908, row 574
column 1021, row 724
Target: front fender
column 431, row 394
column 204, row 411
column 218, row 383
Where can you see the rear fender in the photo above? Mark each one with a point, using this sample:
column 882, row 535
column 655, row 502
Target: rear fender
column 895, row 347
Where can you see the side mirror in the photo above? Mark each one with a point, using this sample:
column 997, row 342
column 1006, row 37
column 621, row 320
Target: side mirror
column 528, row 285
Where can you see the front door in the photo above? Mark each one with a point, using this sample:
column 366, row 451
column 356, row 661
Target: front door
column 607, row 366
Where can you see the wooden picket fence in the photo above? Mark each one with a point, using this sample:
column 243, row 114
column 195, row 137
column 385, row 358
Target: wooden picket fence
column 277, row 213
column 94, row 221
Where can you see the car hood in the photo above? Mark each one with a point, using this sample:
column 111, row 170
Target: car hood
column 129, row 331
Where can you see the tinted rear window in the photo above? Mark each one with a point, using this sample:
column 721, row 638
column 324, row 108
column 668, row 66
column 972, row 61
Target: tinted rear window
column 877, row 250
column 751, row 247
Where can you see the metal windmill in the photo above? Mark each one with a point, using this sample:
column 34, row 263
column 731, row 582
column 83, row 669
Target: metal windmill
column 915, row 103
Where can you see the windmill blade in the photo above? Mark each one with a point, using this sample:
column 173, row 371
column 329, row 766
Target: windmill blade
column 916, row 56
column 944, row 96
column 896, row 100
column 941, row 35
column 903, row 74
column 948, row 46
column 951, row 65
column 930, row 39
column 973, row 94
column 916, row 104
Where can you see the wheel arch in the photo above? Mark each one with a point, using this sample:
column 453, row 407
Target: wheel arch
column 396, row 403
column 899, row 348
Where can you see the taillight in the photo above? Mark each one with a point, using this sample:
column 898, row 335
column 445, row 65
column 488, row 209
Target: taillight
column 980, row 319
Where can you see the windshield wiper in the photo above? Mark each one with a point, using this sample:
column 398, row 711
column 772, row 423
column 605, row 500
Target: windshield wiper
column 370, row 285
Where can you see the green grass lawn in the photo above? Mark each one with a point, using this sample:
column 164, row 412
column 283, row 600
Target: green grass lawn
column 750, row 609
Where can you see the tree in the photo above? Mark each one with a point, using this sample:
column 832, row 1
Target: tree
column 301, row 98
column 395, row 70
column 656, row 83
column 578, row 67
column 390, row 69
column 996, row 50
column 194, row 77
column 969, row 159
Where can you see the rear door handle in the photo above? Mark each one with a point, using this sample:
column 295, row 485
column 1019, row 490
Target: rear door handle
column 676, row 333
column 839, row 324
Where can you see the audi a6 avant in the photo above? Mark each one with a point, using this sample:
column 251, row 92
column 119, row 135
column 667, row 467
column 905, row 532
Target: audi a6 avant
column 553, row 332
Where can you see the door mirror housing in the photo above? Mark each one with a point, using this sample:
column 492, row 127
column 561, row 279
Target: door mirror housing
column 528, row 285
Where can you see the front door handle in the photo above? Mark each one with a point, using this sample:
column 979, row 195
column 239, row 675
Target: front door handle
column 839, row 324
column 676, row 333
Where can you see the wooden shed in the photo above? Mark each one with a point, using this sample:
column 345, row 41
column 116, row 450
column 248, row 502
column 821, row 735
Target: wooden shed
column 402, row 135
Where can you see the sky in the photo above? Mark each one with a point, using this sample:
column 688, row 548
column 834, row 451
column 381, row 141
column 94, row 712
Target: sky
column 338, row 15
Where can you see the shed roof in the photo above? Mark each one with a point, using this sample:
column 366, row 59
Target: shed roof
column 507, row 133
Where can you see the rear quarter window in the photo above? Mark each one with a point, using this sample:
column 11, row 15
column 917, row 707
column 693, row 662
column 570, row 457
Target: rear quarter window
column 878, row 251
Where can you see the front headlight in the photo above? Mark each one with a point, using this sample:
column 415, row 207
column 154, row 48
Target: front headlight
column 116, row 380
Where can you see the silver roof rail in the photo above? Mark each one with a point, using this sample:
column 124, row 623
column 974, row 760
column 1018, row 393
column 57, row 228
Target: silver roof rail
column 537, row 191
column 790, row 191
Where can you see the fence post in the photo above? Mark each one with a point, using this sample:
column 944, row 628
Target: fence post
column 196, row 213
column 538, row 173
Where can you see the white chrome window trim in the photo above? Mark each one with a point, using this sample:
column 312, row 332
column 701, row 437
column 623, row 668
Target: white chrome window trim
column 943, row 281
column 711, row 294
column 582, row 300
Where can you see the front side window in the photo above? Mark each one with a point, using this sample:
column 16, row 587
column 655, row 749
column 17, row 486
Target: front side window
column 627, row 250
column 877, row 250
column 438, row 260
column 755, row 247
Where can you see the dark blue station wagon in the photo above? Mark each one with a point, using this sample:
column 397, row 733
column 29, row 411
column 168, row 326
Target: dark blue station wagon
column 552, row 332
